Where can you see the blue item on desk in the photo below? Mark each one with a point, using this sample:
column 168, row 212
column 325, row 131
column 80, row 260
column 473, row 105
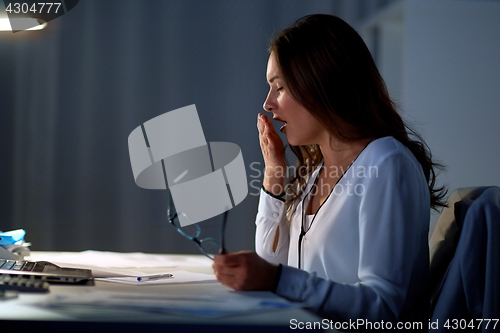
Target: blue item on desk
column 11, row 237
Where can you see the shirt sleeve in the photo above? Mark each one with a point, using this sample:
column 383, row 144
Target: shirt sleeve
column 270, row 215
column 393, row 229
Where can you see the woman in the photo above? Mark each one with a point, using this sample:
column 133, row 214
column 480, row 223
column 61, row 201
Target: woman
column 347, row 234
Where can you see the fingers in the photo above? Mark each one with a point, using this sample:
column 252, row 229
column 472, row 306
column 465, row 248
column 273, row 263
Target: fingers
column 231, row 271
column 266, row 130
column 265, row 126
column 225, row 279
column 263, row 121
column 270, row 142
column 232, row 259
column 274, row 155
column 244, row 271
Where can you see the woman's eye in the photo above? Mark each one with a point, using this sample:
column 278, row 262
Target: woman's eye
column 279, row 89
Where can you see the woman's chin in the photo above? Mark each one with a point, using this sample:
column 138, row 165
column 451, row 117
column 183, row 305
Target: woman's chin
column 292, row 142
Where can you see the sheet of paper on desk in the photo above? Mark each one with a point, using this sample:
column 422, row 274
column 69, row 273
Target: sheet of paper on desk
column 120, row 260
column 103, row 272
column 205, row 306
column 178, row 278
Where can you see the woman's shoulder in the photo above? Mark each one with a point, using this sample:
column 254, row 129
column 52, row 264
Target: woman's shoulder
column 381, row 149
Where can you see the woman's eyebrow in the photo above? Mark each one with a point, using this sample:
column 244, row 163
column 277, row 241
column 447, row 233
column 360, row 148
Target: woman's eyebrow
column 273, row 78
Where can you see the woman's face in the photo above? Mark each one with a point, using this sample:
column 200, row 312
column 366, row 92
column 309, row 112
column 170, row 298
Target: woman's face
column 299, row 126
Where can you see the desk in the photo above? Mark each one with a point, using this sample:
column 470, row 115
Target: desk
column 24, row 317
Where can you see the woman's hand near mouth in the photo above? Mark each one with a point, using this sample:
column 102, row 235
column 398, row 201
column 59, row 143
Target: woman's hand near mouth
column 273, row 152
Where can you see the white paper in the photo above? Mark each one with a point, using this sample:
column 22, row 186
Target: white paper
column 102, row 272
column 103, row 259
column 120, row 260
column 178, row 278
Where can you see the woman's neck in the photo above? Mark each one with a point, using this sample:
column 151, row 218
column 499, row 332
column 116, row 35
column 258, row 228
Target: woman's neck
column 337, row 158
column 341, row 154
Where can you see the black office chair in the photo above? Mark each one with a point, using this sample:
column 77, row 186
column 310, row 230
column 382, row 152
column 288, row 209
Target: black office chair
column 465, row 261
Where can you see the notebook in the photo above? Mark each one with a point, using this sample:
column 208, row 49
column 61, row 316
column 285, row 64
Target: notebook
column 46, row 271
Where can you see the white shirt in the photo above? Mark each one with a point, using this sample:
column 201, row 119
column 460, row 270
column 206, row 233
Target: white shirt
column 370, row 233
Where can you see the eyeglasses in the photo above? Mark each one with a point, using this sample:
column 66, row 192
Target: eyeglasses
column 208, row 246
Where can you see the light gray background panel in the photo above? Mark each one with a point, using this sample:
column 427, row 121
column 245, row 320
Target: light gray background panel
column 174, row 132
column 202, row 198
column 138, row 151
column 195, row 161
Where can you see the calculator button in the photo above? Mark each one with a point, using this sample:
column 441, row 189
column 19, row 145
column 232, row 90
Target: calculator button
column 18, row 265
column 38, row 267
column 8, row 264
column 29, row 266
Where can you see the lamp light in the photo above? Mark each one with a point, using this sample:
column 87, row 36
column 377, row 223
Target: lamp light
column 25, row 21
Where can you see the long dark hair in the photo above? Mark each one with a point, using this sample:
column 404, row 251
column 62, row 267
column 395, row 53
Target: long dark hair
column 329, row 71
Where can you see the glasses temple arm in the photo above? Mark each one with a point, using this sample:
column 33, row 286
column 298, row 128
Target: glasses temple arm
column 223, row 232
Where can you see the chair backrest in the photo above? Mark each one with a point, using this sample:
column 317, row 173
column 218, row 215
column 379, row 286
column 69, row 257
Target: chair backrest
column 445, row 236
column 469, row 289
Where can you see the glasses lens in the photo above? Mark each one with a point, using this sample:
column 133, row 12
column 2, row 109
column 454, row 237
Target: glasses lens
column 210, row 246
column 190, row 231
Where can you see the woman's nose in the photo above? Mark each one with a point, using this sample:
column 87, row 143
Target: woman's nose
column 269, row 105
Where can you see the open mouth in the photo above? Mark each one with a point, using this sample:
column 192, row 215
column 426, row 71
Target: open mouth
column 282, row 121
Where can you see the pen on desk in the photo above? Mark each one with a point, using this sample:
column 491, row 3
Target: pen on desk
column 155, row 277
